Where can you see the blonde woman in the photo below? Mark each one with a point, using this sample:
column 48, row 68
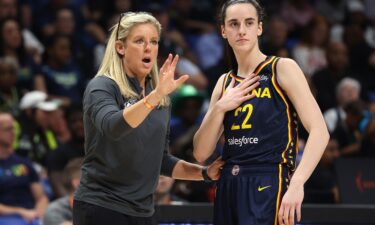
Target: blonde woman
column 126, row 118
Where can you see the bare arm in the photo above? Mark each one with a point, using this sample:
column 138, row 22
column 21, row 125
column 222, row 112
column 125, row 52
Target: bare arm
column 41, row 200
column 212, row 126
column 27, row 214
column 206, row 137
column 292, row 80
column 189, row 171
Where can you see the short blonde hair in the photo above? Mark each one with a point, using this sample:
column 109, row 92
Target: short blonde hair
column 111, row 65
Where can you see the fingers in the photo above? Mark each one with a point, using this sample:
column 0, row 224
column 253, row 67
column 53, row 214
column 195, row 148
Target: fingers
column 166, row 63
column 281, row 214
column 291, row 215
column 219, row 163
column 247, row 81
column 286, row 215
column 247, row 97
column 250, row 81
column 231, row 84
column 181, row 80
column 173, row 65
column 248, row 85
column 298, row 210
column 251, row 87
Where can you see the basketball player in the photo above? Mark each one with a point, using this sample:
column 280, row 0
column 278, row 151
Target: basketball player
column 260, row 183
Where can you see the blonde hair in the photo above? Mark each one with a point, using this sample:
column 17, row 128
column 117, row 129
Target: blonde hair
column 111, row 65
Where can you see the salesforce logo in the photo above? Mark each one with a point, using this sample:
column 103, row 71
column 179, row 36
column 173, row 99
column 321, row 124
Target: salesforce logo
column 242, row 141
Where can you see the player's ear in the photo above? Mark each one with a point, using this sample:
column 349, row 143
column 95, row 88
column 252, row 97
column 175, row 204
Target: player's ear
column 223, row 32
column 260, row 29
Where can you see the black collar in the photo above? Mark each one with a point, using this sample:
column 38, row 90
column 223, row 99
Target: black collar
column 136, row 85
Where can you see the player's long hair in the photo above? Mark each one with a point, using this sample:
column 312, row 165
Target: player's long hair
column 111, row 65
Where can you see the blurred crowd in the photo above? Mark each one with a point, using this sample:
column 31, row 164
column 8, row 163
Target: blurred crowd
column 50, row 49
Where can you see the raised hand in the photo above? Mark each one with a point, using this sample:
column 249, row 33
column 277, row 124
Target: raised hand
column 234, row 96
column 167, row 83
column 214, row 170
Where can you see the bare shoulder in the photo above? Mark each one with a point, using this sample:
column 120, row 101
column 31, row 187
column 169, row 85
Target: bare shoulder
column 289, row 72
column 287, row 65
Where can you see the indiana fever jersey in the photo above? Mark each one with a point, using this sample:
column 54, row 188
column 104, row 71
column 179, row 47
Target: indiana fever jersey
column 262, row 130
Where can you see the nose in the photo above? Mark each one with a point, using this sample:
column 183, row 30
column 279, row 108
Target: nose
column 242, row 29
column 147, row 46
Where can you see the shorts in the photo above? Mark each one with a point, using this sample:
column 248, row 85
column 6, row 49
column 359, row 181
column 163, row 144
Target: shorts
column 250, row 194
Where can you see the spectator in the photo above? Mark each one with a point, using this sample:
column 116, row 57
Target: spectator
column 360, row 54
column 60, row 211
column 59, row 126
column 362, row 121
column 36, row 140
column 61, row 77
column 23, row 14
column 275, row 42
column 297, row 14
column 9, row 92
column 355, row 117
column 326, row 79
column 12, row 44
column 347, row 90
column 74, row 148
column 334, row 11
column 21, row 193
column 309, row 53
column 196, row 22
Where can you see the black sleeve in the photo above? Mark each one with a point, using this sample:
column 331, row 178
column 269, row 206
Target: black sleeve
column 169, row 161
column 102, row 107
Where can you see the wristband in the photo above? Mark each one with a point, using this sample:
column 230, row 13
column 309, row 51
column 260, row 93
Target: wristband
column 147, row 104
column 205, row 176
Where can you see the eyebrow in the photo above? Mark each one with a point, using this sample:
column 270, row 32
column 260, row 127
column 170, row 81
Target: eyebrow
column 235, row 20
column 143, row 36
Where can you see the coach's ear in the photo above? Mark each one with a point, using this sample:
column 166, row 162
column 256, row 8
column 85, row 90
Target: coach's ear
column 120, row 48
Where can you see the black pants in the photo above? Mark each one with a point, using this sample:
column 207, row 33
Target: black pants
column 89, row 214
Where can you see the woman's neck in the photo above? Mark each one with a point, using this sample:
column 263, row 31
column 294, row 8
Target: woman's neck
column 247, row 62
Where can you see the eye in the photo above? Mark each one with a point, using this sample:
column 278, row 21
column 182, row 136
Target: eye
column 139, row 41
column 250, row 23
column 233, row 24
column 154, row 42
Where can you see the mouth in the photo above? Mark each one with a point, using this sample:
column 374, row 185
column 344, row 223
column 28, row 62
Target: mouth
column 241, row 40
column 146, row 60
